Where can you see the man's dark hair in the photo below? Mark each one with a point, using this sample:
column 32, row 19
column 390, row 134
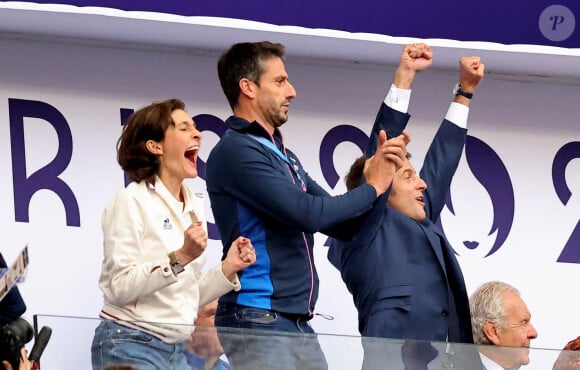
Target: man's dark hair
column 148, row 123
column 355, row 175
column 244, row 60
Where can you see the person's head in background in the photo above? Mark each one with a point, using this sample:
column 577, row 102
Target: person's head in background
column 500, row 317
column 570, row 358
column 255, row 82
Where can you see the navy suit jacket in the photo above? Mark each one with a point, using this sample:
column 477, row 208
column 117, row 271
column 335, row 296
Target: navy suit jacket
column 403, row 274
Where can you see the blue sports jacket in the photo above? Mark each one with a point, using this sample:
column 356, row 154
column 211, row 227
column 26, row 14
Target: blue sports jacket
column 257, row 193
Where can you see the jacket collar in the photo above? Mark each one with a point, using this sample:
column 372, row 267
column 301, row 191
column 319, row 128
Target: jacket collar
column 191, row 202
column 254, row 128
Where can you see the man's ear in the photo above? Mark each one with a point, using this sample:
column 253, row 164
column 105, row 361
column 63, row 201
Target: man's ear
column 7, row 365
column 491, row 333
column 154, row 147
column 247, row 87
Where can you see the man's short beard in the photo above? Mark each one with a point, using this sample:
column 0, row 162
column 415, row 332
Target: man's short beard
column 280, row 120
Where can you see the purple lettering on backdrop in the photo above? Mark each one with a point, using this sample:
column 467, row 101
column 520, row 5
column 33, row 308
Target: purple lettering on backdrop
column 337, row 135
column 567, row 153
column 492, row 174
column 207, row 122
column 47, row 176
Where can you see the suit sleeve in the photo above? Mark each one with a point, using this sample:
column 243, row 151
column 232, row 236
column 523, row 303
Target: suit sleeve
column 368, row 227
column 440, row 164
column 364, row 228
column 393, row 122
column 390, row 120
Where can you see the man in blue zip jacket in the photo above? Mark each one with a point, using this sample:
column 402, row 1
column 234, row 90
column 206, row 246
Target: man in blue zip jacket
column 259, row 189
column 401, row 270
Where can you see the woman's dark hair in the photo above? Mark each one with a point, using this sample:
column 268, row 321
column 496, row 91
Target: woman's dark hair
column 148, row 123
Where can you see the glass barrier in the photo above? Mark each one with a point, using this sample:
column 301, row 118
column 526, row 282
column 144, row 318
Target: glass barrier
column 69, row 347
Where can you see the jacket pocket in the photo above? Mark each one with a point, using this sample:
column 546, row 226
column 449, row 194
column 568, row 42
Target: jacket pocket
column 256, row 316
column 394, row 297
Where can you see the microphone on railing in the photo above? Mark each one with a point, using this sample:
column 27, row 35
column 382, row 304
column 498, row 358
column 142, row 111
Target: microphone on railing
column 39, row 345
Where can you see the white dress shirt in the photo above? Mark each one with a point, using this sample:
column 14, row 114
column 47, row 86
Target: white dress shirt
column 398, row 99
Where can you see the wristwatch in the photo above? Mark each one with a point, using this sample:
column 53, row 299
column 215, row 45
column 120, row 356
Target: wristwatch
column 176, row 266
column 458, row 91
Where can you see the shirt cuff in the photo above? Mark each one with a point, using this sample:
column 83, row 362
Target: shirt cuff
column 398, row 99
column 457, row 114
column 235, row 285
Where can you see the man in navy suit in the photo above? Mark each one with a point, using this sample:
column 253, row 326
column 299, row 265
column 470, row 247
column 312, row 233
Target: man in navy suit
column 401, row 270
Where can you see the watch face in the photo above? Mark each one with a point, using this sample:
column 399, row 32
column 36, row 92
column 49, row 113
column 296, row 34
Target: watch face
column 177, row 268
column 455, row 88
column 458, row 91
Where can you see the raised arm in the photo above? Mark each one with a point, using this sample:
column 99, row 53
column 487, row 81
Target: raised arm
column 392, row 116
column 471, row 71
column 443, row 156
column 414, row 59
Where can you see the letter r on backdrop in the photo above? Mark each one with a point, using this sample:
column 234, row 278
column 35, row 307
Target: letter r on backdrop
column 46, row 177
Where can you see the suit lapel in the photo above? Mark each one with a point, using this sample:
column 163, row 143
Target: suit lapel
column 435, row 241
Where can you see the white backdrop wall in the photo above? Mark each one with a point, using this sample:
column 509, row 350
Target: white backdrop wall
column 525, row 121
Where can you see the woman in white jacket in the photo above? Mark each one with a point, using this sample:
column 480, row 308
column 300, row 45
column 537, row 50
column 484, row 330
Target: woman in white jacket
column 155, row 234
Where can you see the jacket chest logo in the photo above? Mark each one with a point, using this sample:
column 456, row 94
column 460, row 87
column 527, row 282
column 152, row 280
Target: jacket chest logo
column 167, row 224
